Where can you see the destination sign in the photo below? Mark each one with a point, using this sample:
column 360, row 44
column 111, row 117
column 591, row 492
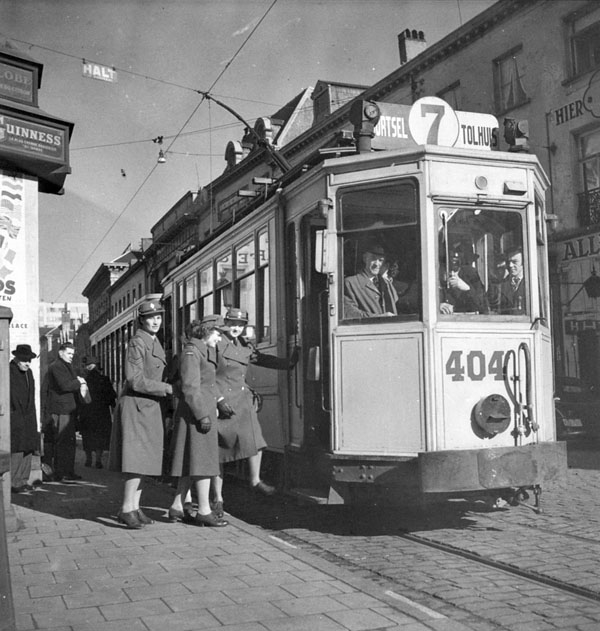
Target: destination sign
column 431, row 121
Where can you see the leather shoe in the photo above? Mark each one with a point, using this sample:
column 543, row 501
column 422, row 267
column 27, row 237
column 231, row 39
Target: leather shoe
column 217, row 509
column 176, row 515
column 130, row 519
column 208, row 520
column 143, row 518
column 263, row 488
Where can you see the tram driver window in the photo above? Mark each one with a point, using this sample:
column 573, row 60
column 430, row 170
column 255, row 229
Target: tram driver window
column 380, row 254
column 481, row 262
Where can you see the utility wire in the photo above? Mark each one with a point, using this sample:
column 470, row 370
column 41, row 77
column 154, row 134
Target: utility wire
column 136, row 142
column 131, row 72
column 220, row 75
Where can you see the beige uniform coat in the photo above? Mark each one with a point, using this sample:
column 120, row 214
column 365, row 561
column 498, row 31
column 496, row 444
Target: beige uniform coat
column 195, row 453
column 137, row 438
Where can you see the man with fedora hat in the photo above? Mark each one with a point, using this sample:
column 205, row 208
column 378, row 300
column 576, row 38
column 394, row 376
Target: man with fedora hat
column 369, row 294
column 24, row 438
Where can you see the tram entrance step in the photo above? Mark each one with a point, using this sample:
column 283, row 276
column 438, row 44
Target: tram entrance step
column 309, row 496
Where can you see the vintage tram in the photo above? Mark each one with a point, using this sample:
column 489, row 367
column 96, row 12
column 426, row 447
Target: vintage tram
column 445, row 389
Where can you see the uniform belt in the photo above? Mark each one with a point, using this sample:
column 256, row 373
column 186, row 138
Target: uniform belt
column 143, row 395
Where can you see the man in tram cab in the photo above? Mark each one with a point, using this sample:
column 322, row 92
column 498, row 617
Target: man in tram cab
column 508, row 296
column 461, row 288
column 370, row 293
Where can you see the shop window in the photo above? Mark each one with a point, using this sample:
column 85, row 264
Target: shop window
column 508, row 79
column 584, row 40
column 589, row 159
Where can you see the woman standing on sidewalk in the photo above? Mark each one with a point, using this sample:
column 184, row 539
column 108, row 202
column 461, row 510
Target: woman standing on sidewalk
column 195, row 456
column 137, row 438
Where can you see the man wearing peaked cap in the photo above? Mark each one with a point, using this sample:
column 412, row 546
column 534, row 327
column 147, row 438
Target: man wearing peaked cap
column 150, row 307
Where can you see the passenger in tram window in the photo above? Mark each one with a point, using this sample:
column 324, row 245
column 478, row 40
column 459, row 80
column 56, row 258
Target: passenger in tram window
column 406, row 286
column 136, row 445
column 369, row 294
column 461, row 288
column 508, row 296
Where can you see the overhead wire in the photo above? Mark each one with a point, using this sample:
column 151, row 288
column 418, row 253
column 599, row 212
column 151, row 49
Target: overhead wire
column 203, row 98
column 130, row 72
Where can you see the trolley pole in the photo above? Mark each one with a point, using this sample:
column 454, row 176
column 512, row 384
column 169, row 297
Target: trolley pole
column 7, row 611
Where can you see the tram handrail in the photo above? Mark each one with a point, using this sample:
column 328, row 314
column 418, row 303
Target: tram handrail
column 322, row 344
column 524, row 418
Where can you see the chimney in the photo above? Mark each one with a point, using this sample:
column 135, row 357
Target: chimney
column 411, row 44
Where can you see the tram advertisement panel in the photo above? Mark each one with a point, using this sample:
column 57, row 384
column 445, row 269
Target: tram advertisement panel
column 472, row 372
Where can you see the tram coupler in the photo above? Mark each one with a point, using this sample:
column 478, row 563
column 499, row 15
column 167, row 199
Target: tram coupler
column 521, row 496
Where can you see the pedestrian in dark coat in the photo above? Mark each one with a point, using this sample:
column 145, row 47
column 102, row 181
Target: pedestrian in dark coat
column 196, row 449
column 235, row 355
column 137, row 439
column 95, row 417
column 24, row 438
column 63, row 397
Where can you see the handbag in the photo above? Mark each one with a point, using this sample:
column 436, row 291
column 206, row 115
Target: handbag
column 227, row 428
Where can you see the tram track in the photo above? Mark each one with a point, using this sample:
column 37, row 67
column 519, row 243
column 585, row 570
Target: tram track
column 506, row 567
column 486, row 566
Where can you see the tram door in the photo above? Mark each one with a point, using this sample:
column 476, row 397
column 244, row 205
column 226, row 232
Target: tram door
column 378, row 335
column 315, row 338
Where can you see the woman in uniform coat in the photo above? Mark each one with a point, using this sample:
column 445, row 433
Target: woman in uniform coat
column 195, row 457
column 235, row 355
column 137, row 440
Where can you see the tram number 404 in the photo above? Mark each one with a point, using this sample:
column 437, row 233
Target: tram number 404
column 475, row 365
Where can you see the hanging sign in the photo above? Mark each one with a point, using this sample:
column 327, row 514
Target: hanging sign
column 22, row 136
column 102, row 73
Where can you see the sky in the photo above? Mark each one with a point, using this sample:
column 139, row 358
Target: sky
column 253, row 55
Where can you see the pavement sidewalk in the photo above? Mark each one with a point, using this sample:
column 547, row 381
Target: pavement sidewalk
column 73, row 567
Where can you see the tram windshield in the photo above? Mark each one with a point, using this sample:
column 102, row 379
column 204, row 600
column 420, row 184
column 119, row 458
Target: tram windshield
column 381, row 251
column 481, row 262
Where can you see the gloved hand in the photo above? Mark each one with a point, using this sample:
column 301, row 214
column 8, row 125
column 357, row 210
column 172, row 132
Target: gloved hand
column 225, row 410
column 295, row 357
column 204, row 425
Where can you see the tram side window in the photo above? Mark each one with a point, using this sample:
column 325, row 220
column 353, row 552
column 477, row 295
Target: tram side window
column 481, row 262
column 224, row 282
column 381, row 253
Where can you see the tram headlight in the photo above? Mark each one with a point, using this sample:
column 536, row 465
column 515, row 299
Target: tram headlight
column 492, row 414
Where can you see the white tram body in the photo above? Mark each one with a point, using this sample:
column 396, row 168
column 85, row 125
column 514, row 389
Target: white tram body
column 425, row 399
